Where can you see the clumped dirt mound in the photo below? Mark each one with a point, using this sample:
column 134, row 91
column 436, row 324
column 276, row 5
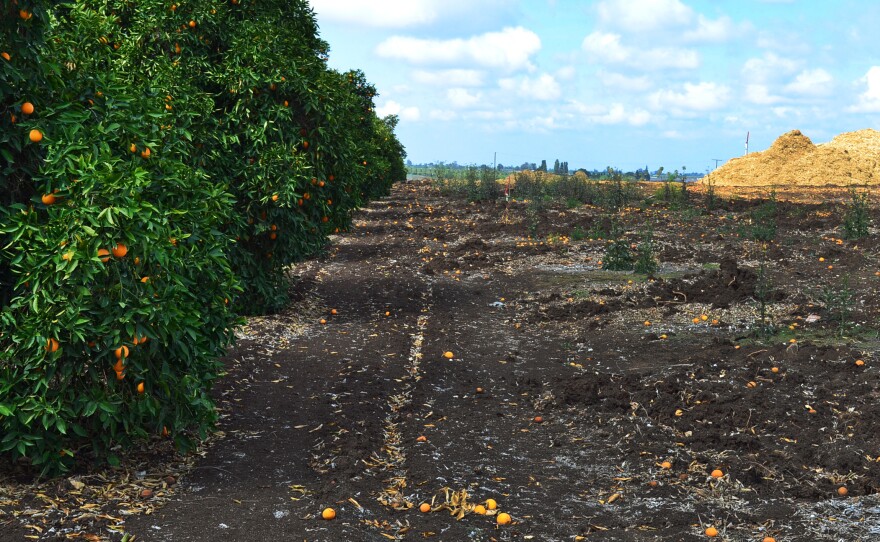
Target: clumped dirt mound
column 793, row 160
column 720, row 287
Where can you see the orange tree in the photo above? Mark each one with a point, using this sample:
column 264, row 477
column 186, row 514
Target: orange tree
column 156, row 156
column 115, row 282
column 293, row 138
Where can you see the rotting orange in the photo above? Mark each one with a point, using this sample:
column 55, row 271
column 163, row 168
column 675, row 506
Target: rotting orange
column 447, row 355
column 503, row 518
column 480, row 509
column 328, row 513
column 842, row 491
column 425, row 508
column 711, row 532
column 666, row 465
column 717, row 473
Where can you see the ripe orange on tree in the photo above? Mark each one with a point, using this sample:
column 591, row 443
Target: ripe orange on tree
column 27, row 108
column 35, row 136
column 52, row 345
column 120, row 250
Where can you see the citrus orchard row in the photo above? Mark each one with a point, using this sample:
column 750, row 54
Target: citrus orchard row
column 162, row 164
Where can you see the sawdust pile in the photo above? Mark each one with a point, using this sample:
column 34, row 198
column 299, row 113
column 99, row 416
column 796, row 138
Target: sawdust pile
column 852, row 158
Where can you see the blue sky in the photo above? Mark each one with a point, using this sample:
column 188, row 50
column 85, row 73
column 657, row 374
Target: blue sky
column 623, row 83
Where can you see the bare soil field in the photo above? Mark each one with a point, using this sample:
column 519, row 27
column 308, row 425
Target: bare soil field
column 469, row 354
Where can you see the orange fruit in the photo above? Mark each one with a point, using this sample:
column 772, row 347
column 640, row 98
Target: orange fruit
column 480, row 509
column 322, row 321
column 491, row 504
column 274, row 197
column 164, row 431
column 422, row 438
column 842, row 491
column 334, row 312
column 774, row 369
column 35, row 136
column 146, row 153
column 538, row 419
column 145, row 279
column 328, row 513
column 121, row 352
column 425, row 508
column 860, row 363
column 133, row 148
column 67, row 256
column 192, row 24
column 27, row 108
column 104, row 254
column 48, row 199
column 711, row 532
column 666, row 465
column 769, row 539
column 503, row 518
column 120, row 250
column 6, row 56
column 140, row 387
column 119, row 366
column 52, row 345
column 25, row 14
column 479, row 390
column 447, row 355
column 717, row 473
column 120, row 375
column 752, row 384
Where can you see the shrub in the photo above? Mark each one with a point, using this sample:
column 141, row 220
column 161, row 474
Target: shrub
column 856, row 217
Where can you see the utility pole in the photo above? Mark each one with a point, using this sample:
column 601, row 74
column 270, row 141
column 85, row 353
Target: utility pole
column 747, row 142
column 716, row 161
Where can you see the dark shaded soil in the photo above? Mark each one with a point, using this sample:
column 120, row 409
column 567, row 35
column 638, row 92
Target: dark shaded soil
column 567, row 389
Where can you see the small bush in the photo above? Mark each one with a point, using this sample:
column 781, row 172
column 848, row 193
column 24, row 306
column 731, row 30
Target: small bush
column 856, row 217
column 646, row 262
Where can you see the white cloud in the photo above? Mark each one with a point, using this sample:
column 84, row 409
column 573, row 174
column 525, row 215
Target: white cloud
column 542, row 88
column 758, row 93
column 566, row 73
column 717, row 30
column 607, row 48
column 770, row 67
column 869, row 101
column 393, row 108
column 460, row 98
column 816, row 82
column 615, row 113
column 510, row 49
column 693, row 97
column 644, row 15
column 624, row 82
column 447, row 78
column 442, row 114
column 378, row 13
